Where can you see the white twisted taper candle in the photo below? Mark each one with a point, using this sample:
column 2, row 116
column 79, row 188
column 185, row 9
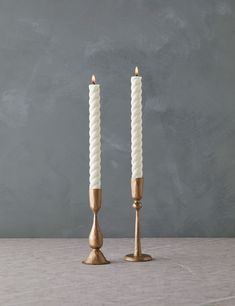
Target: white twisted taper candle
column 94, row 135
column 136, row 126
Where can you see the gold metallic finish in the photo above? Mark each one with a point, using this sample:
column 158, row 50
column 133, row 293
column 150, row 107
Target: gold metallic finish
column 137, row 188
column 96, row 257
column 142, row 257
column 137, row 194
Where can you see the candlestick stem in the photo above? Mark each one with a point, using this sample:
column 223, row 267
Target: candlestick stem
column 137, row 193
column 137, row 248
column 96, row 257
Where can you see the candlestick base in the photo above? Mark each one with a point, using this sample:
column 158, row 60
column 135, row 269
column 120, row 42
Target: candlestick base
column 140, row 258
column 96, row 257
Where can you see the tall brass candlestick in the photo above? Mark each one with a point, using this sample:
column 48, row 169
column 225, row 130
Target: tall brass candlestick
column 137, row 185
column 96, row 257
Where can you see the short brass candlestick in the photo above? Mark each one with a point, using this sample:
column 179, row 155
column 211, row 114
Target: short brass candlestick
column 137, row 185
column 96, row 257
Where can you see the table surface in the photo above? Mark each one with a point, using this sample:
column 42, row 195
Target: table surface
column 185, row 271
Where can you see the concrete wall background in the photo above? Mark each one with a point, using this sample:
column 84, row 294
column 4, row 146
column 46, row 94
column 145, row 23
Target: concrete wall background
column 185, row 51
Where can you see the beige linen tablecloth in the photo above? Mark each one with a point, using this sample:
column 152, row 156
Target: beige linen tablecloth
column 189, row 272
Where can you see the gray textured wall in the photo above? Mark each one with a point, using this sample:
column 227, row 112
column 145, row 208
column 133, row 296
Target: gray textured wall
column 186, row 53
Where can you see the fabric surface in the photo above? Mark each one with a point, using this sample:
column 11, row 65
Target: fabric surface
column 191, row 271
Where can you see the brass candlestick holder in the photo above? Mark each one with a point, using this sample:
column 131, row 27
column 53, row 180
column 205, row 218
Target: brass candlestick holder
column 96, row 257
column 137, row 185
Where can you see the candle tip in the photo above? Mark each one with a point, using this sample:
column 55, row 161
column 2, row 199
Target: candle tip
column 93, row 79
column 136, row 71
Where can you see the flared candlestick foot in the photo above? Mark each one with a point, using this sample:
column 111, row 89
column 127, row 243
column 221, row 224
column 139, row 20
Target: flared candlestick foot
column 140, row 258
column 96, row 257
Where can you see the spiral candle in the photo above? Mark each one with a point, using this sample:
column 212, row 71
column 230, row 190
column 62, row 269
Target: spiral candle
column 94, row 135
column 136, row 126
column 96, row 257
